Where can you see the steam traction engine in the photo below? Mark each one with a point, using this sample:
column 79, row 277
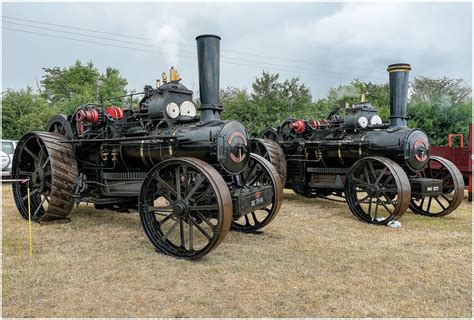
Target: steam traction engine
column 380, row 169
column 191, row 179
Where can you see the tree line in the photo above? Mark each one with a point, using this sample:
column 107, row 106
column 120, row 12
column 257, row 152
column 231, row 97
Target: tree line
column 437, row 106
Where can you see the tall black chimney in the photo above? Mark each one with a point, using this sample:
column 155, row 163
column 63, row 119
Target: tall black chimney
column 398, row 74
column 208, row 50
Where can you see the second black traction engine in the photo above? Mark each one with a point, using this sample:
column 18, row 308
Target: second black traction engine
column 381, row 169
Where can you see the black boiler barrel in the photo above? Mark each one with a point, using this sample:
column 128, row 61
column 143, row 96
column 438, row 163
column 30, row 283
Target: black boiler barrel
column 398, row 75
column 208, row 50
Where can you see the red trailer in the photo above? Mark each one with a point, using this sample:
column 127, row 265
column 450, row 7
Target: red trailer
column 461, row 156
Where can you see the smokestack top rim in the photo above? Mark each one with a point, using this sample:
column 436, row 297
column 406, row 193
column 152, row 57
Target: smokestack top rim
column 208, row 36
column 399, row 67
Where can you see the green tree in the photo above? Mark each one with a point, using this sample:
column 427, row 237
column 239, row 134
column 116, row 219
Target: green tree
column 67, row 86
column 60, row 84
column 439, row 107
column 23, row 111
column 440, row 91
column 111, row 84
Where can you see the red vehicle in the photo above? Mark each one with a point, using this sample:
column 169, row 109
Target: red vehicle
column 461, row 156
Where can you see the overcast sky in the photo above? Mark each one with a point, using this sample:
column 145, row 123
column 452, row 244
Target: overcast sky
column 324, row 44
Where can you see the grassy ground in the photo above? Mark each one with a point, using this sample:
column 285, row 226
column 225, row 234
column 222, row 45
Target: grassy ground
column 314, row 260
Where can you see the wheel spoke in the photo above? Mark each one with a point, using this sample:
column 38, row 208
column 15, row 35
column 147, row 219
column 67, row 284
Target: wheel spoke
column 161, row 210
column 390, row 178
column 201, row 229
column 255, row 179
column 203, row 218
column 39, row 207
column 190, row 225
column 362, row 182
column 376, row 209
column 33, row 192
column 386, row 208
column 372, row 170
column 204, row 194
column 387, row 198
column 181, row 232
column 204, row 207
column 31, row 154
column 178, row 182
column 361, row 200
column 171, row 230
column 250, row 172
column 446, row 198
column 166, row 218
column 194, row 188
column 429, row 204
column 384, row 171
column 437, row 200
column 25, row 173
column 255, row 218
column 45, row 163
column 166, row 185
column 247, row 222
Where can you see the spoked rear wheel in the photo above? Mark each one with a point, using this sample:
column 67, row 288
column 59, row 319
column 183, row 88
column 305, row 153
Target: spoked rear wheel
column 377, row 190
column 185, row 207
column 259, row 173
column 452, row 193
column 51, row 168
column 272, row 152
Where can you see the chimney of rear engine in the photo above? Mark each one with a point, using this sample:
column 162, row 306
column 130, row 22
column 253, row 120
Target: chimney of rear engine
column 398, row 79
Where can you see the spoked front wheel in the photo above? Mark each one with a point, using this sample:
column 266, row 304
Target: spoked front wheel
column 185, row 207
column 377, row 190
column 451, row 195
column 259, row 173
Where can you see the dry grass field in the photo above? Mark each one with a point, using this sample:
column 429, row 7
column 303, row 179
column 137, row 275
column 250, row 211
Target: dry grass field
column 314, row 260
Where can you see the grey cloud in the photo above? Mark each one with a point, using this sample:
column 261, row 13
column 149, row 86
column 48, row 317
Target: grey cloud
column 435, row 38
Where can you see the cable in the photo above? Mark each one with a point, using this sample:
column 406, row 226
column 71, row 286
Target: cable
column 178, row 55
column 193, row 46
column 78, row 34
column 267, row 64
column 64, row 26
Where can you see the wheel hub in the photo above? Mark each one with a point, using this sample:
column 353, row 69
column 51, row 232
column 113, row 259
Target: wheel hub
column 180, row 209
column 37, row 178
column 372, row 190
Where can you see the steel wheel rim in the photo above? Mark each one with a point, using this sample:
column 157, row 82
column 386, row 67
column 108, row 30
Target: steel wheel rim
column 56, row 124
column 377, row 190
column 32, row 161
column 189, row 225
column 259, row 172
column 453, row 189
column 271, row 134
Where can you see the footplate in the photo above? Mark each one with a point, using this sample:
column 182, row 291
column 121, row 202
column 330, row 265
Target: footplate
column 426, row 187
column 250, row 199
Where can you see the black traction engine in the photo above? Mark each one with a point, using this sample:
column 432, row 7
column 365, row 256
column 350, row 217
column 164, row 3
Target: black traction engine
column 381, row 169
column 191, row 177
